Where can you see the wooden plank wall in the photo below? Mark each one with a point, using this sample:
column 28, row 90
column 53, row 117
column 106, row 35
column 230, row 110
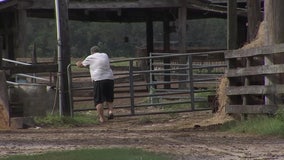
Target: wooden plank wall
column 255, row 84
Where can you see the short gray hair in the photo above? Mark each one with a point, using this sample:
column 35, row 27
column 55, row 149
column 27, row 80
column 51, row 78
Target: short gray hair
column 94, row 49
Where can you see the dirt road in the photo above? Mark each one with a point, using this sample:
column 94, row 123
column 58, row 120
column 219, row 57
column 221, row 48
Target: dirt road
column 175, row 135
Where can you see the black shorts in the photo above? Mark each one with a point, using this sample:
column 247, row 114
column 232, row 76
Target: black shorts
column 103, row 91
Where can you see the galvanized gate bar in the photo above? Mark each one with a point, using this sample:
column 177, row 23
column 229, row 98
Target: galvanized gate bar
column 159, row 97
column 190, row 77
column 131, row 81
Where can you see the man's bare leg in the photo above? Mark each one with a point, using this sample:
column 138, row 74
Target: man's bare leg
column 100, row 111
column 110, row 109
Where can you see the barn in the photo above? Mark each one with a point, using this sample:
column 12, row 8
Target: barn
column 246, row 15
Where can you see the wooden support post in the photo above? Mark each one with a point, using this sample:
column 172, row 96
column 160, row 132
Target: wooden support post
column 34, row 60
column 5, row 20
column 254, row 18
column 20, row 33
column 182, row 38
column 166, row 26
column 149, row 34
column 274, row 11
column 269, row 80
column 9, row 27
column 64, row 57
column 232, row 22
column 167, row 61
column 245, row 97
column 182, row 27
column 34, row 55
column 150, row 39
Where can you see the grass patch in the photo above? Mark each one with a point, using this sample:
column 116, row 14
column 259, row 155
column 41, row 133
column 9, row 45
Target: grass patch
column 175, row 107
column 65, row 121
column 203, row 97
column 122, row 63
column 144, row 120
column 259, row 125
column 91, row 154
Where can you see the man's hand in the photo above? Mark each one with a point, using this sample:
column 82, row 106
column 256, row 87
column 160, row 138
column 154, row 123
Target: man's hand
column 79, row 64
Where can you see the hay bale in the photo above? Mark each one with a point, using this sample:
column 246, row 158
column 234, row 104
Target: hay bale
column 223, row 100
column 4, row 106
column 222, row 97
column 220, row 116
column 259, row 39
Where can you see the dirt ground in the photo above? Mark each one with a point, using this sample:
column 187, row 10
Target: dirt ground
column 185, row 136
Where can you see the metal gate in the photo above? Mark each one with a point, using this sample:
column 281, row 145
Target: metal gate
column 162, row 83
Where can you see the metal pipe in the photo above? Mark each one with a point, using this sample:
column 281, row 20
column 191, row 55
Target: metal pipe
column 59, row 44
column 16, row 62
column 33, row 77
column 70, row 86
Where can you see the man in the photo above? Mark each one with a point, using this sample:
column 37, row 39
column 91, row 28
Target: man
column 103, row 80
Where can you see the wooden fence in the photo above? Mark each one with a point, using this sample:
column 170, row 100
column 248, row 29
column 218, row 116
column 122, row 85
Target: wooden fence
column 256, row 79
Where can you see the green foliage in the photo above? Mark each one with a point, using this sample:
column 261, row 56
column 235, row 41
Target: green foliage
column 124, row 63
column 280, row 114
column 83, row 35
column 41, row 35
column 91, row 154
column 207, row 32
column 174, row 107
column 111, row 36
column 261, row 126
column 64, row 121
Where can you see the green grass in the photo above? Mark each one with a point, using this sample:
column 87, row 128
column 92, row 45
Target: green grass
column 94, row 154
column 123, row 63
column 64, row 121
column 262, row 126
column 259, row 125
column 197, row 105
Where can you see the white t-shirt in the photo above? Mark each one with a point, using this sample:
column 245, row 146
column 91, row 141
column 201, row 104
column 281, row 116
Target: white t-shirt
column 99, row 66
